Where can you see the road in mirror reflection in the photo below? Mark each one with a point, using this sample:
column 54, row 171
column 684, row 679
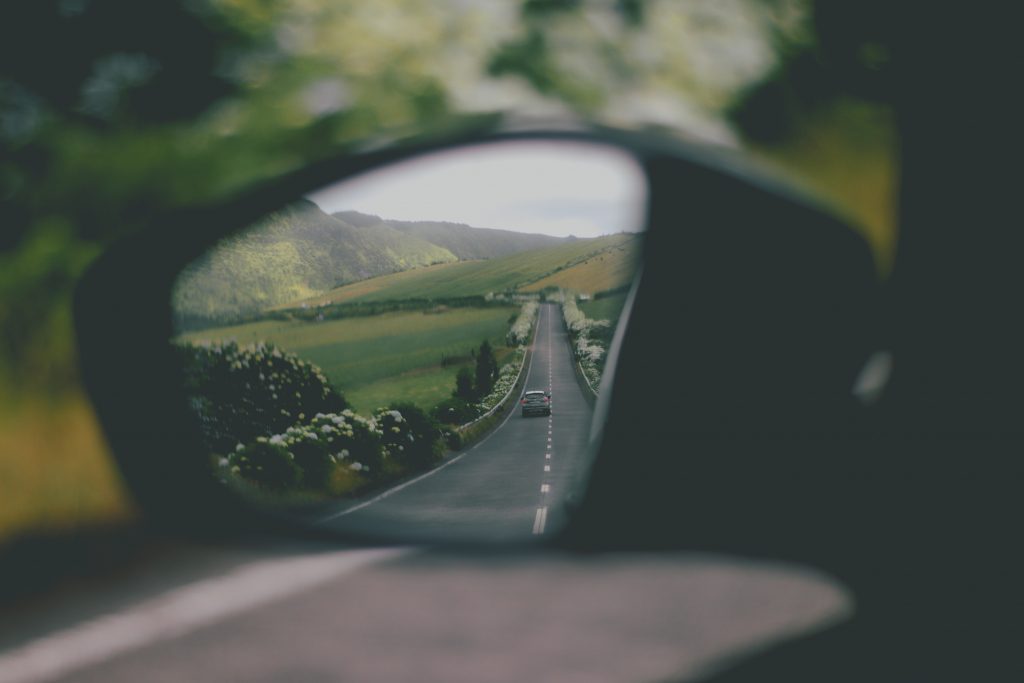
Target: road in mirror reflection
column 416, row 351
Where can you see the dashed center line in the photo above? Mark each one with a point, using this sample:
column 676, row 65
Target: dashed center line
column 545, row 488
column 547, row 468
column 540, row 520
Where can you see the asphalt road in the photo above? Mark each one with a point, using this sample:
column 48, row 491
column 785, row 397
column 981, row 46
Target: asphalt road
column 279, row 613
column 280, row 610
column 510, row 485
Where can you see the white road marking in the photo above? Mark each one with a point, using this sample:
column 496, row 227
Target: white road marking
column 180, row 611
column 549, row 439
column 540, row 520
column 547, row 468
column 547, row 455
column 544, row 488
column 549, row 447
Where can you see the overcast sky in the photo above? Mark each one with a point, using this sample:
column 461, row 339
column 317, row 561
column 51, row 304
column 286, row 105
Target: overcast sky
column 552, row 187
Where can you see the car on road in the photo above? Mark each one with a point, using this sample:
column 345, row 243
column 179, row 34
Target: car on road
column 536, row 402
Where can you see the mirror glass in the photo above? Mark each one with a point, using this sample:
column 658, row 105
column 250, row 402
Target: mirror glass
column 415, row 352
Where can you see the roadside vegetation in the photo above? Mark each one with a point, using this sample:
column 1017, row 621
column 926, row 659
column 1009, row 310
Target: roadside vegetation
column 277, row 426
column 374, row 359
column 591, row 335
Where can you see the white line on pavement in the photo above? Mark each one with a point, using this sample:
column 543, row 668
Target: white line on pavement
column 179, row 611
column 544, row 488
column 540, row 520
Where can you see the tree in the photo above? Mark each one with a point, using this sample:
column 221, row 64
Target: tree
column 464, row 385
column 486, row 369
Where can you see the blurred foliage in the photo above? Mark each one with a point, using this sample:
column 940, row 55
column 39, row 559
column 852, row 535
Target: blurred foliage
column 153, row 106
column 824, row 113
column 112, row 111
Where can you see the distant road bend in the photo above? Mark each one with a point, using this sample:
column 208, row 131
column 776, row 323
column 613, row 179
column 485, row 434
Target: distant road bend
column 510, row 484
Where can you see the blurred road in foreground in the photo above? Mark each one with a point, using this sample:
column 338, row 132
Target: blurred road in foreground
column 306, row 614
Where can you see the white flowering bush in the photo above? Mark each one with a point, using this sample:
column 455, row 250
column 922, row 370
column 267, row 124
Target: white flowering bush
column 309, row 456
column 574, row 318
column 588, row 350
column 409, row 437
column 240, row 393
column 269, row 465
column 351, row 438
column 313, row 455
column 519, row 333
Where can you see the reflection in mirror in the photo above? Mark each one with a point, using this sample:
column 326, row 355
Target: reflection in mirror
column 416, row 351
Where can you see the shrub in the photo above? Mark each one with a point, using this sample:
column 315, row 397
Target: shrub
column 409, row 436
column 520, row 331
column 313, row 456
column 589, row 339
column 455, row 411
column 269, row 465
column 240, row 393
column 453, row 439
column 354, row 440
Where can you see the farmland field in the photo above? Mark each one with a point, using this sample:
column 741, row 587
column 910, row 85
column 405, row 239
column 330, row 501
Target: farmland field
column 603, row 263
column 610, row 269
column 605, row 308
column 377, row 359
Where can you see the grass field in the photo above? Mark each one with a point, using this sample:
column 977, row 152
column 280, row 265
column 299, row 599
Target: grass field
column 605, row 308
column 377, row 359
column 518, row 271
column 610, row 269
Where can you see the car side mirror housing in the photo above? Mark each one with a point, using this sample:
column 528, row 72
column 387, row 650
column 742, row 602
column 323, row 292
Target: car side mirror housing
column 745, row 318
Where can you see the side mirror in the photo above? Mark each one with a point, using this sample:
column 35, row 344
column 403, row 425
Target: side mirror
column 339, row 351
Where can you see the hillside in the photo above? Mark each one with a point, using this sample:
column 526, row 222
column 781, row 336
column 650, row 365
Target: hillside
column 601, row 263
column 467, row 243
column 301, row 252
column 609, row 269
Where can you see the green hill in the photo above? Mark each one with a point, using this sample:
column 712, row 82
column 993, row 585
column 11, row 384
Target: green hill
column 607, row 263
column 467, row 243
column 300, row 252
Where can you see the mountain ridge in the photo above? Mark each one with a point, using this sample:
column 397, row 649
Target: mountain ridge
column 300, row 251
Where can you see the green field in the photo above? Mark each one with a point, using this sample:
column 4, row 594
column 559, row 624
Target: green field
column 608, row 269
column 602, row 263
column 605, row 308
column 378, row 359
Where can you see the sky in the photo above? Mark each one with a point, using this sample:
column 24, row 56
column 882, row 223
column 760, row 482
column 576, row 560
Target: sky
column 553, row 187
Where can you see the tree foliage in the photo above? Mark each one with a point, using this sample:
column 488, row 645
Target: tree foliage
column 486, row 369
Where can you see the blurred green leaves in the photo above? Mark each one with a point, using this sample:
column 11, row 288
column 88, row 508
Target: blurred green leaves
column 113, row 111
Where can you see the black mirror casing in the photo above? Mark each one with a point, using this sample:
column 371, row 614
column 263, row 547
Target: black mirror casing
column 731, row 411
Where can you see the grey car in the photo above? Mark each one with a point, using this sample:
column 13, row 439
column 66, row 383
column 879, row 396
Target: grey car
column 536, row 402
